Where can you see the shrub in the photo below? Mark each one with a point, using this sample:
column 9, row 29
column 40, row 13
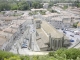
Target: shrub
column 51, row 53
column 13, row 58
column 4, row 54
column 68, row 53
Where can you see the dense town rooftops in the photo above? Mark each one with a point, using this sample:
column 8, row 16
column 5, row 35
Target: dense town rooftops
column 9, row 30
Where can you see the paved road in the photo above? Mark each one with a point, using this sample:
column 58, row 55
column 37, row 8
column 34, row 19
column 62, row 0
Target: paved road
column 25, row 51
column 35, row 46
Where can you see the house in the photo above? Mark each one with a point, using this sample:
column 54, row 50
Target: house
column 56, row 22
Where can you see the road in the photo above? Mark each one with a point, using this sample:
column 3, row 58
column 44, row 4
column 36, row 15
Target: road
column 35, row 46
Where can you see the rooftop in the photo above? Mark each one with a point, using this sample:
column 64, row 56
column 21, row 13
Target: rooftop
column 49, row 29
column 51, row 15
column 44, row 39
column 8, row 18
column 57, row 19
column 10, row 30
column 38, row 9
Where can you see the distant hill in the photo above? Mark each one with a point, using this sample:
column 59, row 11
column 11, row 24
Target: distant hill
column 42, row 0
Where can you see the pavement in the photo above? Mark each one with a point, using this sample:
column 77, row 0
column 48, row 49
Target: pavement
column 28, row 52
column 35, row 46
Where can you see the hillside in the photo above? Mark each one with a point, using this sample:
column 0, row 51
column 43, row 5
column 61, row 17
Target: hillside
column 61, row 54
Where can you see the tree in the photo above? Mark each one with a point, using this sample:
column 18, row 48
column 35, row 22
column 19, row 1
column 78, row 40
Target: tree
column 37, row 5
column 51, row 3
column 69, row 53
column 76, row 3
column 4, row 6
column 23, row 5
column 75, row 24
column 14, row 7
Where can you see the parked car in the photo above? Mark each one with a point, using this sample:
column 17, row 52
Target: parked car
column 62, row 29
column 64, row 32
column 71, row 40
column 72, row 35
column 24, row 46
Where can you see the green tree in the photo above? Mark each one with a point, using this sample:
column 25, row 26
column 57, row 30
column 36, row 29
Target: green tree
column 37, row 5
column 23, row 5
column 75, row 24
column 51, row 3
column 4, row 6
column 76, row 3
column 68, row 53
column 24, row 57
column 14, row 7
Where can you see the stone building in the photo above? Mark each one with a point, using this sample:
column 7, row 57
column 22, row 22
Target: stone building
column 56, row 39
column 51, row 39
